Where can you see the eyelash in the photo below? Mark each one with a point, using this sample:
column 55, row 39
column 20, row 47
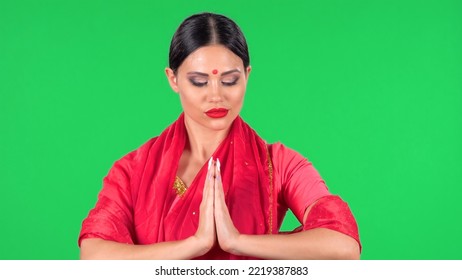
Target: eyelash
column 228, row 84
column 197, row 84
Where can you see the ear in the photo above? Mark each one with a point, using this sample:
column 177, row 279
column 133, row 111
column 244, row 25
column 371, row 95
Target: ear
column 247, row 71
column 171, row 77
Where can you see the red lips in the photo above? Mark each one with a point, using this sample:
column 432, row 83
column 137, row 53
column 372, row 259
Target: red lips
column 217, row 113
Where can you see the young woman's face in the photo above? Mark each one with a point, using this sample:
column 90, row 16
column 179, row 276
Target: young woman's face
column 211, row 83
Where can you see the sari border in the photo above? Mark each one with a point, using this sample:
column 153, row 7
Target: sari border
column 270, row 177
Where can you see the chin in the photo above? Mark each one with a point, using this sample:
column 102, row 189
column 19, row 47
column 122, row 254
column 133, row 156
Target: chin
column 217, row 124
column 220, row 124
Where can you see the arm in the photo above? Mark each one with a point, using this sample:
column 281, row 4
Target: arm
column 316, row 243
column 97, row 248
column 194, row 246
column 319, row 243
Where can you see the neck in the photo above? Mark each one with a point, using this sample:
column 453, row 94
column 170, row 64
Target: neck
column 203, row 141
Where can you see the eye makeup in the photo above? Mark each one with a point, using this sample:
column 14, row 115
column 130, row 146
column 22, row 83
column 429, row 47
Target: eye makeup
column 197, row 83
column 228, row 78
column 230, row 82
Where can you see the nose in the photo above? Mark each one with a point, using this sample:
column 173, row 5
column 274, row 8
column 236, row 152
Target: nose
column 215, row 92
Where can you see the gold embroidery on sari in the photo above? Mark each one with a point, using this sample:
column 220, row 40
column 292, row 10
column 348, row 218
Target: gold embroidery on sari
column 179, row 186
column 270, row 175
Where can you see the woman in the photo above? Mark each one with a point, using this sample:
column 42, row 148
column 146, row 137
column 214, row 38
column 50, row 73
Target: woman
column 209, row 187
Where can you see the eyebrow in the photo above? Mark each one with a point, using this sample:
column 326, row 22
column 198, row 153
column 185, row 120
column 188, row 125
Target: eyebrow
column 198, row 73
column 206, row 75
column 230, row 71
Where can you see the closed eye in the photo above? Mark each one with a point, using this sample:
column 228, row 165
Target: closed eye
column 197, row 83
column 230, row 83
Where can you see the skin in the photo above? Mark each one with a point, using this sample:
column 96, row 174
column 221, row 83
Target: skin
column 200, row 90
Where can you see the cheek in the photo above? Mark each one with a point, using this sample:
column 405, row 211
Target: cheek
column 237, row 95
column 190, row 98
column 187, row 100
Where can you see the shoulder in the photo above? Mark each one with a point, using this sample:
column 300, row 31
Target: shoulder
column 292, row 167
column 142, row 151
column 135, row 157
column 281, row 155
column 280, row 149
column 297, row 182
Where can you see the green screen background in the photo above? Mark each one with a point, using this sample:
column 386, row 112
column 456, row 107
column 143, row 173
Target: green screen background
column 369, row 91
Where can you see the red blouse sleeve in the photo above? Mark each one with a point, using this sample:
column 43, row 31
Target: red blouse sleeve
column 302, row 186
column 333, row 213
column 111, row 218
column 300, row 183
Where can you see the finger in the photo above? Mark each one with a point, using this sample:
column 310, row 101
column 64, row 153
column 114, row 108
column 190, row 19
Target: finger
column 219, row 196
column 207, row 192
column 212, row 165
column 211, row 180
column 208, row 178
column 218, row 181
column 227, row 233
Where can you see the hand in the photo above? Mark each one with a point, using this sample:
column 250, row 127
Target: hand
column 206, row 234
column 227, row 233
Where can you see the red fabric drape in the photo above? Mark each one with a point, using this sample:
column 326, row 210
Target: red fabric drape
column 138, row 204
column 141, row 194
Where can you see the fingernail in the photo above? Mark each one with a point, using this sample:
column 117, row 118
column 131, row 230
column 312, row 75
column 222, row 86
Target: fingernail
column 210, row 163
column 218, row 164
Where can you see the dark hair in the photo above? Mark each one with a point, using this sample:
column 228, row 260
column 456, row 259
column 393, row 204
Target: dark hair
column 205, row 29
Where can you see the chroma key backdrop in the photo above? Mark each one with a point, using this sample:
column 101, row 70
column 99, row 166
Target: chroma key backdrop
column 369, row 91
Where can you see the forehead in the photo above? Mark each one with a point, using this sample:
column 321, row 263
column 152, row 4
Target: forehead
column 212, row 57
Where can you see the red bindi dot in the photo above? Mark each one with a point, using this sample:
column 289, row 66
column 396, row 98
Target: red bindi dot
column 214, row 71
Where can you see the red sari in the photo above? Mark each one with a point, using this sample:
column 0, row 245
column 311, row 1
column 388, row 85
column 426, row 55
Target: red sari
column 138, row 204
